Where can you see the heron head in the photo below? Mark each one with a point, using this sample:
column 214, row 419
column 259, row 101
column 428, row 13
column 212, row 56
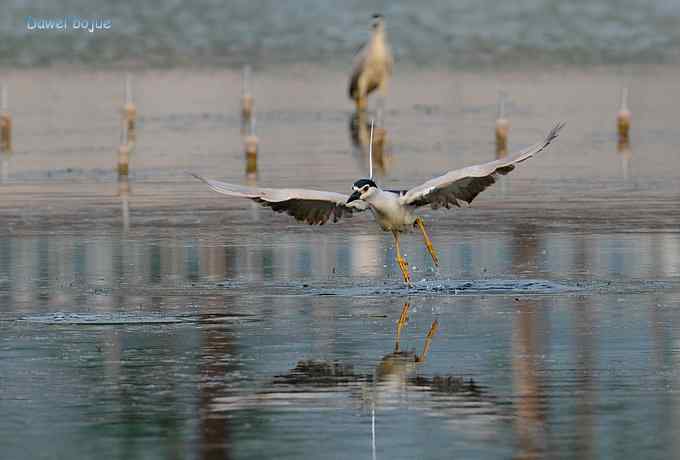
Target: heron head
column 363, row 189
column 378, row 21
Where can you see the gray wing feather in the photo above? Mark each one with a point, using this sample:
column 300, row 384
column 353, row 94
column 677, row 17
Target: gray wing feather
column 311, row 206
column 357, row 68
column 465, row 184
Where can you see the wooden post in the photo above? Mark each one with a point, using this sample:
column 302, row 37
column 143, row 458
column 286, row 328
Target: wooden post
column 251, row 142
column 124, row 153
column 623, row 120
column 247, row 100
column 502, row 128
column 5, row 124
column 124, row 193
column 123, row 159
column 129, row 112
column 251, row 155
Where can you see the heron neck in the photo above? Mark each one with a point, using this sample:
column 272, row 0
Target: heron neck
column 379, row 35
column 379, row 196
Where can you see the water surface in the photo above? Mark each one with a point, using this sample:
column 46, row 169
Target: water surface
column 155, row 319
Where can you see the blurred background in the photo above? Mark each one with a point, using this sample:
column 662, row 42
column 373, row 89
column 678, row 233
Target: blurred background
column 442, row 33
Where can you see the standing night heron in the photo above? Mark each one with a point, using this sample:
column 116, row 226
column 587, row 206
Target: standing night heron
column 395, row 210
column 372, row 66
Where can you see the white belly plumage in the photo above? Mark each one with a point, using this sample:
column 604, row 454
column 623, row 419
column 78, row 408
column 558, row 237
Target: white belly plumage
column 390, row 215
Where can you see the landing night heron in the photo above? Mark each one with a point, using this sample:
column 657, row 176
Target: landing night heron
column 394, row 210
column 372, row 66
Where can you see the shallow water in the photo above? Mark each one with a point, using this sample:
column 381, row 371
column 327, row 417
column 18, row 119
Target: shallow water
column 153, row 347
column 159, row 320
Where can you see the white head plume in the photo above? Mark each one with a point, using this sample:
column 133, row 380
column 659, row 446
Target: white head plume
column 370, row 153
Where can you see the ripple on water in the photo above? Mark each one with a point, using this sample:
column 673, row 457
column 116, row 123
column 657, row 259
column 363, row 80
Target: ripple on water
column 456, row 287
column 490, row 286
column 101, row 319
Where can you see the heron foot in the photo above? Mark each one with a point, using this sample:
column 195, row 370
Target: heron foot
column 403, row 265
column 428, row 242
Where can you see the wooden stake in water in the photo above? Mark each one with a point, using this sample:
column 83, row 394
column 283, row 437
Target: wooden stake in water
column 124, row 153
column 129, row 112
column 623, row 119
column 5, row 124
column 247, row 101
column 251, row 150
column 502, row 128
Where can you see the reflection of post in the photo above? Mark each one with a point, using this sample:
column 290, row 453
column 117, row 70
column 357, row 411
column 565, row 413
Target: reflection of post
column 664, row 346
column 584, row 365
column 251, row 181
column 360, row 130
column 379, row 139
column 373, row 431
column 214, row 428
column 123, row 160
column 525, row 242
column 623, row 149
column 123, row 193
column 530, row 418
column 4, row 168
column 365, row 253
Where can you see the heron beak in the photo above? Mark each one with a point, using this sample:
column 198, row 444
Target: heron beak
column 353, row 197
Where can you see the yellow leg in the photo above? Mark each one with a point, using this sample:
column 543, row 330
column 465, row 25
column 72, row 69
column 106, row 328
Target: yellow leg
column 403, row 265
column 428, row 341
column 361, row 103
column 401, row 323
column 428, row 241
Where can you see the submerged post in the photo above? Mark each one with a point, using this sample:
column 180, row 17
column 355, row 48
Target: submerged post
column 247, row 101
column 623, row 119
column 502, row 128
column 129, row 112
column 5, row 124
column 124, row 193
column 251, row 142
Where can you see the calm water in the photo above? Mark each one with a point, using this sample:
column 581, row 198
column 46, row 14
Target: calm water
column 162, row 33
column 186, row 347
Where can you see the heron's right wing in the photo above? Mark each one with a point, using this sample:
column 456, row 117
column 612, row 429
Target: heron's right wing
column 311, row 206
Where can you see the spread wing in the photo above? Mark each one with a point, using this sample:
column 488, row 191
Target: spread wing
column 465, row 184
column 311, row 206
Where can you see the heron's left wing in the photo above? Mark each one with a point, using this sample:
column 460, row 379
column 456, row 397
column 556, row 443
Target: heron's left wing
column 311, row 206
column 358, row 64
column 465, row 184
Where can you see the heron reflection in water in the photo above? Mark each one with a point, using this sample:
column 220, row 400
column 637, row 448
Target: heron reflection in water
column 375, row 148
